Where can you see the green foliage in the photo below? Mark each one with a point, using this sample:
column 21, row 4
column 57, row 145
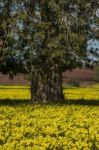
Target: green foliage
column 51, row 31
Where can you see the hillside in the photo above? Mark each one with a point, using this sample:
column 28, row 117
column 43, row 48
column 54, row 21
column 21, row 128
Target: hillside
column 77, row 74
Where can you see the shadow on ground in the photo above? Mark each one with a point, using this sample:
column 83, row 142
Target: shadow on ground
column 82, row 102
column 13, row 102
column 66, row 102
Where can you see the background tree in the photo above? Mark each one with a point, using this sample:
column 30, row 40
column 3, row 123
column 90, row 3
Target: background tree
column 46, row 37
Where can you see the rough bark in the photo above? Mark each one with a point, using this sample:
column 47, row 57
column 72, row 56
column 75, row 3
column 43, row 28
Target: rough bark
column 47, row 86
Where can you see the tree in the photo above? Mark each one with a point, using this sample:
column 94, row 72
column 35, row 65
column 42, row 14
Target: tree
column 46, row 37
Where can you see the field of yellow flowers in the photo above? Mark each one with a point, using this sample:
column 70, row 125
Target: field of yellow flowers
column 49, row 127
column 14, row 92
column 88, row 93
column 23, row 92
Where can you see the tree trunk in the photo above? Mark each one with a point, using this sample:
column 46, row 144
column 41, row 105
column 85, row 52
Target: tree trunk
column 47, row 86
